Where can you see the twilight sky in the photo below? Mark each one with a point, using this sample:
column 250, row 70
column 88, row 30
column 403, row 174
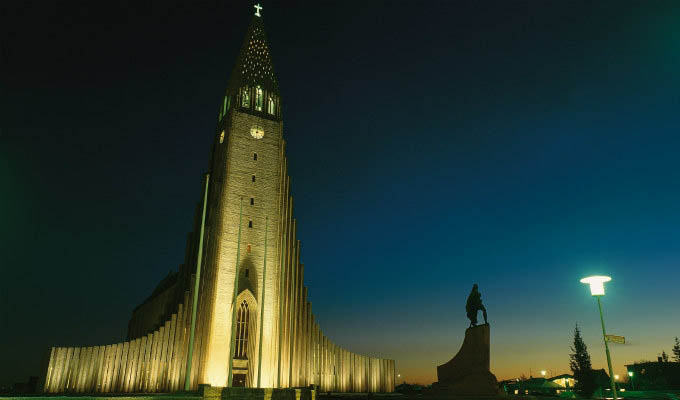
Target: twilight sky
column 520, row 145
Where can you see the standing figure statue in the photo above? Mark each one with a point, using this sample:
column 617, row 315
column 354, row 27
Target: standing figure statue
column 474, row 304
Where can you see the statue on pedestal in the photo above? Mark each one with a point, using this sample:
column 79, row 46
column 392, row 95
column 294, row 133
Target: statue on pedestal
column 474, row 304
column 467, row 373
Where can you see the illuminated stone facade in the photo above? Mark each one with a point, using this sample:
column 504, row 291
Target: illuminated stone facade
column 278, row 342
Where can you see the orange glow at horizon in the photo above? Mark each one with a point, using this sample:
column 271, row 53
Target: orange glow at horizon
column 508, row 362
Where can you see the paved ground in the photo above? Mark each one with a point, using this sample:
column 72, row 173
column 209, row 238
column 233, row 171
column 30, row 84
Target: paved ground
column 646, row 395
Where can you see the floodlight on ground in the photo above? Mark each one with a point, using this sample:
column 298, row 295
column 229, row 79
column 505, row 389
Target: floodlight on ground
column 630, row 373
column 596, row 284
column 543, row 372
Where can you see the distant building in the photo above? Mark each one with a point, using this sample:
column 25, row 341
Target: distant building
column 565, row 380
column 531, row 386
column 554, row 385
column 654, row 375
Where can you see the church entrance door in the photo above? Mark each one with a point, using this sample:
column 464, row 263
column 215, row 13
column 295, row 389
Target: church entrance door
column 239, row 380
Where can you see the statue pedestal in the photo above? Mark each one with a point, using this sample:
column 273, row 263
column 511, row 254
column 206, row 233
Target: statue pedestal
column 468, row 372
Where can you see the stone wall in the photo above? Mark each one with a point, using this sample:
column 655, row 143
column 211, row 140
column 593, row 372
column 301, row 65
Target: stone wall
column 152, row 363
column 148, row 316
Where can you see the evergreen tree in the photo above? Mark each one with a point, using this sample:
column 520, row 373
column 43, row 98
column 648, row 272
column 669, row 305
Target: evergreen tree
column 664, row 356
column 579, row 362
column 676, row 350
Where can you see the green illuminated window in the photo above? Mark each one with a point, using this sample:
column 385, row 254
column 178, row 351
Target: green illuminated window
column 258, row 99
column 245, row 97
column 271, row 106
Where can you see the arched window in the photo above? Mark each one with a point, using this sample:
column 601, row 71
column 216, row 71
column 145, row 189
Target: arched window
column 258, row 99
column 245, row 97
column 271, row 106
column 242, row 331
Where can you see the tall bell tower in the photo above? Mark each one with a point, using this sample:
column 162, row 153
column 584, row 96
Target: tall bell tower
column 245, row 196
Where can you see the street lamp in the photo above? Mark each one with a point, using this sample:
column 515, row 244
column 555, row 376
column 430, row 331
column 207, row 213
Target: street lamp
column 543, row 373
column 597, row 290
column 632, row 385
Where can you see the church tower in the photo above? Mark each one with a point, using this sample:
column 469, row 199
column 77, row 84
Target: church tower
column 236, row 312
column 247, row 190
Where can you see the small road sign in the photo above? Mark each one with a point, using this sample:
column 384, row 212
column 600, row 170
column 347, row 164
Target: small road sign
column 616, row 339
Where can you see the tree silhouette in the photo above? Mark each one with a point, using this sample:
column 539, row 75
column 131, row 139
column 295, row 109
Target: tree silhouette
column 676, row 350
column 579, row 362
column 664, row 356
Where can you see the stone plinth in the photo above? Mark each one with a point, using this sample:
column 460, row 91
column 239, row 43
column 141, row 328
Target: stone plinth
column 467, row 373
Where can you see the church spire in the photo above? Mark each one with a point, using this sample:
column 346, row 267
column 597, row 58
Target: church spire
column 252, row 86
column 254, row 64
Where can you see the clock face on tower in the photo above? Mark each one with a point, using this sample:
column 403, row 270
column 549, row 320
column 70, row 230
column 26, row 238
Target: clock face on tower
column 257, row 132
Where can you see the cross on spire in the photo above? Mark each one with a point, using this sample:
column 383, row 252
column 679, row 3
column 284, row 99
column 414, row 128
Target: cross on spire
column 258, row 7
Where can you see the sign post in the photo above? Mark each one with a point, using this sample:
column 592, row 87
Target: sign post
column 615, row 339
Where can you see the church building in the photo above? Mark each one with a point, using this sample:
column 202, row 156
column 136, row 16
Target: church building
column 236, row 312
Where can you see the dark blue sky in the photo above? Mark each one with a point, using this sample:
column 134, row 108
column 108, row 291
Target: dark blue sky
column 517, row 144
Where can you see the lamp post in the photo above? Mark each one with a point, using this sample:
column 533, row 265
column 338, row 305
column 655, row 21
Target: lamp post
column 597, row 290
column 630, row 377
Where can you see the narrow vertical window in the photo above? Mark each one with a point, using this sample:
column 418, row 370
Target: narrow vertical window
column 252, row 201
column 270, row 106
column 222, row 137
column 245, row 97
column 250, row 224
column 255, row 156
column 253, row 178
column 258, row 99
column 242, row 331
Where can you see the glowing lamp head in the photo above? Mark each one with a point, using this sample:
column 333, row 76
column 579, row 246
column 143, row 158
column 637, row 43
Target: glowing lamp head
column 596, row 284
column 543, row 373
column 630, row 373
